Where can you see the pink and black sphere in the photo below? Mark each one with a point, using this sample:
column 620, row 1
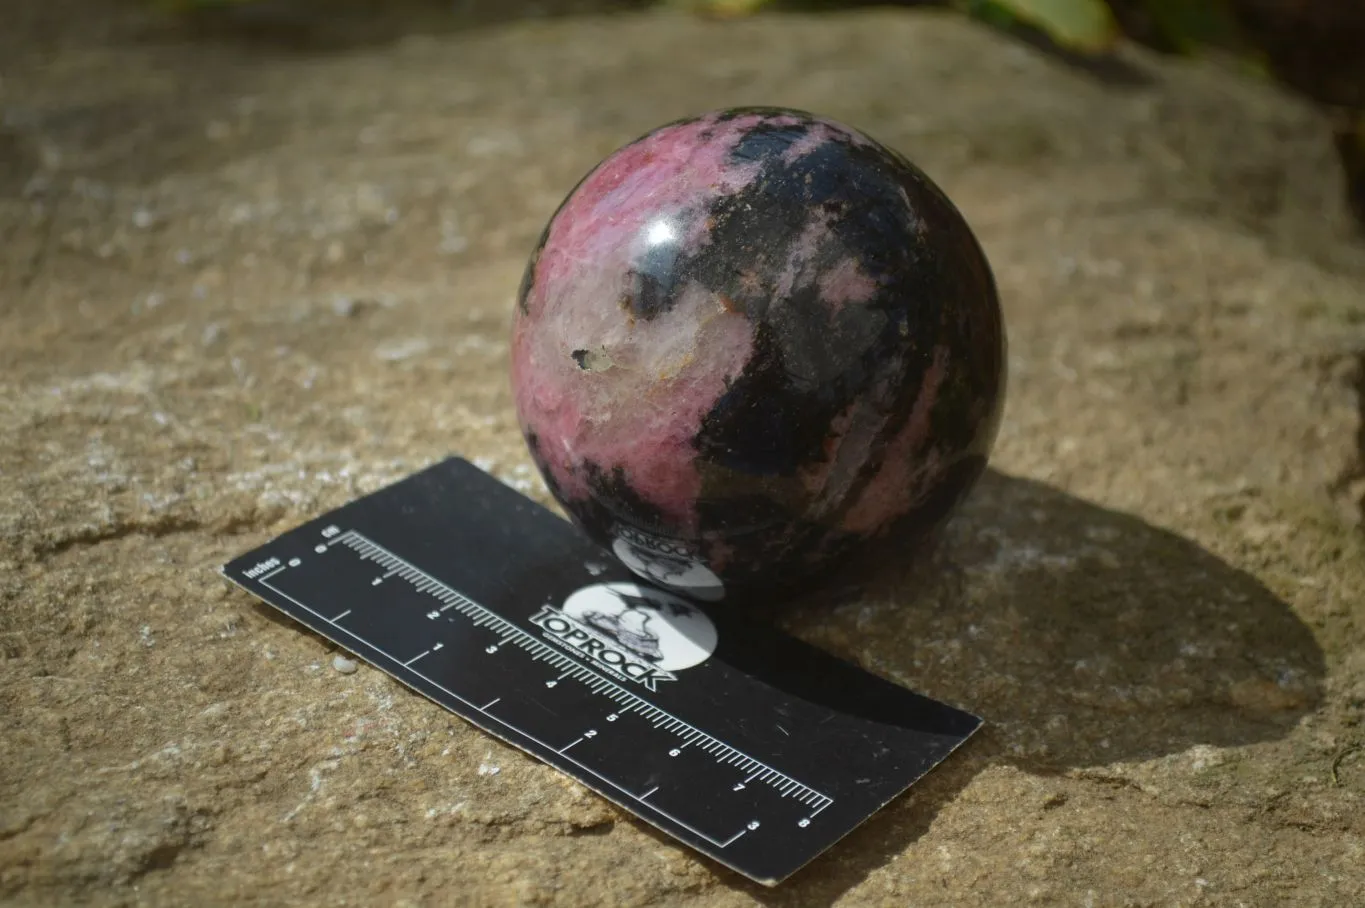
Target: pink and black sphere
column 750, row 343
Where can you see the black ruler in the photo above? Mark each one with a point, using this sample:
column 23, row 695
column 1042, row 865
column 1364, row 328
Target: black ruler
column 746, row 744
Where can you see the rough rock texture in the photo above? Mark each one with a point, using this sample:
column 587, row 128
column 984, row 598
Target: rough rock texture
column 752, row 341
column 241, row 285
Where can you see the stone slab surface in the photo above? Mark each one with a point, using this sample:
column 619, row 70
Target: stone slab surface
column 241, row 284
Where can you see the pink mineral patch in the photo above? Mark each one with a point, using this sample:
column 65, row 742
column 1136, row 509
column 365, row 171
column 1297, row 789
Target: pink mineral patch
column 818, row 134
column 851, row 435
column 844, row 283
column 815, row 233
column 641, row 404
column 903, row 477
column 847, row 283
column 655, row 188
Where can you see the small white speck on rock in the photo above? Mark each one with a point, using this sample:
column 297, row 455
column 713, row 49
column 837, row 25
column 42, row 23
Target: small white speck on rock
column 344, row 306
column 398, row 350
column 344, row 665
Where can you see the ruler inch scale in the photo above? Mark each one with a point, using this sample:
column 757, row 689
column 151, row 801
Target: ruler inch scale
column 749, row 746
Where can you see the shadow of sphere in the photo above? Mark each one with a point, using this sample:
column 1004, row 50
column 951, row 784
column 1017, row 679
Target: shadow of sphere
column 1083, row 636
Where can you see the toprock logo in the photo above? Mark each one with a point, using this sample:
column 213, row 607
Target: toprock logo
column 631, row 632
column 667, row 562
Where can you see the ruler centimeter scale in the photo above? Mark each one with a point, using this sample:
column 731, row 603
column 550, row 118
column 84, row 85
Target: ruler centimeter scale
column 754, row 771
column 761, row 756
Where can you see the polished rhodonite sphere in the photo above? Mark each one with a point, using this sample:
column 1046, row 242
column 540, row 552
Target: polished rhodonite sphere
column 750, row 342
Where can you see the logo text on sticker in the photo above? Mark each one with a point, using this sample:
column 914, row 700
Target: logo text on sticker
column 630, row 631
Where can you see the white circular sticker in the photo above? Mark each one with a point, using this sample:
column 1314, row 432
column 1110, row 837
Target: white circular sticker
column 668, row 564
column 654, row 625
